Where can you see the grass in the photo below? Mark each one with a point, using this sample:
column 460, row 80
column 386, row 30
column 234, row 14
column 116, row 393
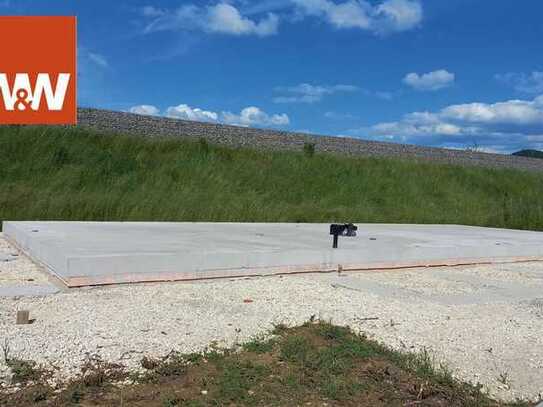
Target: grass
column 74, row 174
column 313, row 364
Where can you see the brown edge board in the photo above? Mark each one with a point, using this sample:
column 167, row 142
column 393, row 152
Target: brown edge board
column 216, row 274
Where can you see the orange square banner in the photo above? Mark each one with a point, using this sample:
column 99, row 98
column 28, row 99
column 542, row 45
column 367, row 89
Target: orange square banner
column 38, row 70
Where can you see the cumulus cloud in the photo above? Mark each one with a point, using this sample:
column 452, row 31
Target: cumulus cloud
column 243, row 18
column 221, row 18
column 146, row 110
column 386, row 17
column 508, row 125
column 186, row 112
column 513, row 112
column 430, row 81
column 307, row 93
column 253, row 116
column 523, row 82
column 247, row 117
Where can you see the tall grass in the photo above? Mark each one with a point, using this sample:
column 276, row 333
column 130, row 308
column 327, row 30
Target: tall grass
column 67, row 174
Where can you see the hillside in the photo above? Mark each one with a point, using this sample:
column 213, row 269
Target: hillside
column 106, row 121
column 529, row 153
column 75, row 174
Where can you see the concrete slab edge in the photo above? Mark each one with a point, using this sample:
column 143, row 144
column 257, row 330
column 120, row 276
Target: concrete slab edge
column 7, row 230
column 128, row 278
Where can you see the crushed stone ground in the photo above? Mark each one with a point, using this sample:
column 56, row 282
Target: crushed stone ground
column 475, row 319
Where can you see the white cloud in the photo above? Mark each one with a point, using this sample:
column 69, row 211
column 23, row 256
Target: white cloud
column 151, row 11
column 399, row 15
column 249, row 116
column 386, row 17
column 221, row 18
column 522, row 82
column 186, row 112
column 430, row 81
column 225, row 18
column 513, row 112
column 239, row 17
column 147, row 110
column 508, row 125
column 307, row 93
column 253, row 116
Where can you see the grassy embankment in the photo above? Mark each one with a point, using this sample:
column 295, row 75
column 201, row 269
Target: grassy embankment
column 76, row 175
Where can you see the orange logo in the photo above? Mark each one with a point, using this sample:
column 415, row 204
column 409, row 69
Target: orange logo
column 38, row 70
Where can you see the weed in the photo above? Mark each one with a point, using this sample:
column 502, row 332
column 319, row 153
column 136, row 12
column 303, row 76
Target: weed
column 37, row 393
column 6, row 350
column 174, row 365
column 309, row 149
column 171, row 401
column 503, row 378
column 332, row 332
column 279, row 329
column 97, row 373
column 259, row 345
column 149, row 363
column 237, row 378
column 25, row 371
column 60, row 157
column 296, row 349
column 204, row 146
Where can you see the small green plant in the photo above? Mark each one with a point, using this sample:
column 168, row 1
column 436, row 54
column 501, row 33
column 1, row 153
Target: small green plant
column 6, row 350
column 309, row 149
column 25, row 371
column 97, row 373
column 171, row 401
column 279, row 329
column 332, row 332
column 237, row 378
column 296, row 348
column 60, row 157
column 259, row 345
column 73, row 394
column 204, row 146
column 37, row 394
column 149, row 363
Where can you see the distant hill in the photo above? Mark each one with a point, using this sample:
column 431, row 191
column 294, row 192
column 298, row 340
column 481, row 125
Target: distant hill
column 529, row 153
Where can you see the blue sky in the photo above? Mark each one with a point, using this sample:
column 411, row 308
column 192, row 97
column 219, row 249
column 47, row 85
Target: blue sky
column 454, row 73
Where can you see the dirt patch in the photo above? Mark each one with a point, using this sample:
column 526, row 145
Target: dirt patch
column 315, row 364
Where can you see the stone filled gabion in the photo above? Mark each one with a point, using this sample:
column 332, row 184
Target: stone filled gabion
column 266, row 139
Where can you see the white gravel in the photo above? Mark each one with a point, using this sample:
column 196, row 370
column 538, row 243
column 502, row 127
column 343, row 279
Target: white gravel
column 482, row 322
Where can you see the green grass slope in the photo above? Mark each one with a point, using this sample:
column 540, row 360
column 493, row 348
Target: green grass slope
column 67, row 174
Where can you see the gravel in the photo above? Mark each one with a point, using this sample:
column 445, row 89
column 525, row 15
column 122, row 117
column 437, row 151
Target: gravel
column 480, row 341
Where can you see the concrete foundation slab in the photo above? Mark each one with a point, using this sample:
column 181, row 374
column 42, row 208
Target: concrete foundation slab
column 98, row 253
